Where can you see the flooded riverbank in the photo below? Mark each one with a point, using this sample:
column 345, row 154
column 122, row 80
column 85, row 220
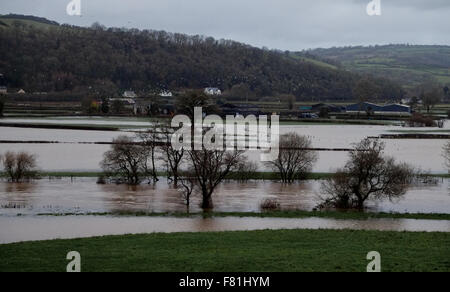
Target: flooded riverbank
column 18, row 229
column 421, row 153
column 83, row 195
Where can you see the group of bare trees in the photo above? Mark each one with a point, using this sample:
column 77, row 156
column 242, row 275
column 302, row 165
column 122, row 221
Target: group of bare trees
column 368, row 174
column 133, row 161
column 19, row 167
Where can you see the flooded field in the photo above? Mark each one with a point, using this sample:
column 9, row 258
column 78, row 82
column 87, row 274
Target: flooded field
column 20, row 229
column 421, row 153
column 83, row 195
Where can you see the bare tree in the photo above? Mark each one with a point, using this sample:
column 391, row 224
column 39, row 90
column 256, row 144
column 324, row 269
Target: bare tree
column 447, row 155
column 295, row 158
column 188, row 184
column 368, row 174
column 210, row 168
column 431, row 98
column 20, row 166
column 127, row 161
column 151, row 140
column 172, row 157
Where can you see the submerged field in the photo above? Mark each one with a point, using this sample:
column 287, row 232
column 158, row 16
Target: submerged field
column 255, row 251
column 75, row 195
column 77, row 150
column 67, row 203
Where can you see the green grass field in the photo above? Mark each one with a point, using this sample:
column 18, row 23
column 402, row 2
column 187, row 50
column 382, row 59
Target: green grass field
column 255, row 251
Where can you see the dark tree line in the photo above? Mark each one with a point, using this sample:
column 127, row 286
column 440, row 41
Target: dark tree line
column 106, row 61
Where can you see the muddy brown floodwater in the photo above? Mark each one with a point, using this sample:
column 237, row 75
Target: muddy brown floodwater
column 421, row 153
column 83, row 195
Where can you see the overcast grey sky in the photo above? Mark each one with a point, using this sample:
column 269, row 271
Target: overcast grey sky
column 280, row 24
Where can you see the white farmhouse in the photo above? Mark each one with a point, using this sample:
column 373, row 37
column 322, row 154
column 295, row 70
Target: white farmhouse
column 213, row 91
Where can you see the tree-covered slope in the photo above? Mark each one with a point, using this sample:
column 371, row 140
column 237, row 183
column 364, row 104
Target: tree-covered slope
column 52, row 58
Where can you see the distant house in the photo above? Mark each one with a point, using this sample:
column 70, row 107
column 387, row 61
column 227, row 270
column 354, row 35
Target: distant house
column 409, row 100
column 165, row 93
column 3, row 88
column 21, row 91
column 129, row 94
column 213, row 91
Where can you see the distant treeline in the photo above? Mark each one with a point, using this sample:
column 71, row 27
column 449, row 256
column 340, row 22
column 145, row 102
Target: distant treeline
column 105, row 61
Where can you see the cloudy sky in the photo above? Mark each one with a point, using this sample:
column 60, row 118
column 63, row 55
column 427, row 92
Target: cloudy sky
column 280, row 24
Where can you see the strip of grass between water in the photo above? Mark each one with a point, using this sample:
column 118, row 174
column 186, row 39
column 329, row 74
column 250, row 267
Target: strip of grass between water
column 233, row 176
column 344, row 215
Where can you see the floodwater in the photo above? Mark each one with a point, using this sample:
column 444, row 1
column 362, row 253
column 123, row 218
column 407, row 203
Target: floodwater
column 425, row 154
column 80, row 121
column 18, row 229
column 83, row 195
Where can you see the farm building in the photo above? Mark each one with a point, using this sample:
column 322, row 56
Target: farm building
column 397, row 108
column 213, row 91
column 371, row 107
column 129, row 94
column 166, row 93
column 364, row 107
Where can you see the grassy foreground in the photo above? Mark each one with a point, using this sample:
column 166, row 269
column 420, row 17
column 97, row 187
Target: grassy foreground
column 255, row 251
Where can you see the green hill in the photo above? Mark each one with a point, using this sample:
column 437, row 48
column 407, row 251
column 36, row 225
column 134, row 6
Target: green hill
column 27, row 20
column 409, row 65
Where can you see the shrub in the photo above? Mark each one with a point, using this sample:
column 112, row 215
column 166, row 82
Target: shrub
column 270, row 205
column 419, row 120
